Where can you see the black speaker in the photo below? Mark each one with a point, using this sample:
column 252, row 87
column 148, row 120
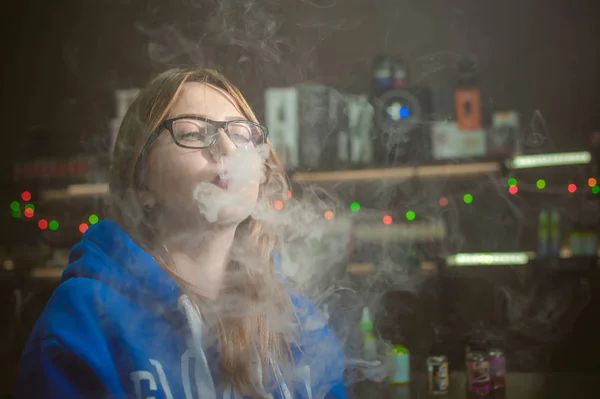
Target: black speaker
column 402, row 115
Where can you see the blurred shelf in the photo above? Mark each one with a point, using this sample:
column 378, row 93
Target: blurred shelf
column 47, row 273
column 402, row 232
column 76, row 191
column 399, row 173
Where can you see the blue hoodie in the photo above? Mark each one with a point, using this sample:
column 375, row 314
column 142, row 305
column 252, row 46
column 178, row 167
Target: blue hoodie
column 119, row 327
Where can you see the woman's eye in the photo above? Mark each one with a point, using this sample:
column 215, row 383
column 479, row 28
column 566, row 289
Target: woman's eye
column 192, row 136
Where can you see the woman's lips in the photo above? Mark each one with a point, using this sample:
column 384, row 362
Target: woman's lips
column 220, row 183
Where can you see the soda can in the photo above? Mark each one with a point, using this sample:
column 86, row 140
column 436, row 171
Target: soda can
column 478, row 373
column 438, row 375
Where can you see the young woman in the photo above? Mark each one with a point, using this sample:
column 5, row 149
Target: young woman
column 179, row 296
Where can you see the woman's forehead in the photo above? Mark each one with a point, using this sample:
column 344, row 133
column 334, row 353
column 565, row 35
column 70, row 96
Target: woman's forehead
column 204, row 99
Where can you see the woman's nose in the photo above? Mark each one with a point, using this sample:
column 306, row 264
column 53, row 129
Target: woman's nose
column 224, row 146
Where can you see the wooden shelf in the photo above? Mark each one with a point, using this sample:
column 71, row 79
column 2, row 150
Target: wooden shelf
column 47, row 273
column 400, row 173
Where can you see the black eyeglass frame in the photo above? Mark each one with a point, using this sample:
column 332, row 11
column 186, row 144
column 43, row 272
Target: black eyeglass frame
column 168, row 125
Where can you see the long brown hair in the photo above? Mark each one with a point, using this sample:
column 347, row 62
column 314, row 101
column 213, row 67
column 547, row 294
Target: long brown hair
column 238, row 337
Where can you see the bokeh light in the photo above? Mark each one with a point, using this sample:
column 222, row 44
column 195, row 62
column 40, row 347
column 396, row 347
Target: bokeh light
column 541, row 184
column 53, row 225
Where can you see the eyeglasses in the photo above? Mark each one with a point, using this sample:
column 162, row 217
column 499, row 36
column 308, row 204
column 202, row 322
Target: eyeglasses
column 197, row 132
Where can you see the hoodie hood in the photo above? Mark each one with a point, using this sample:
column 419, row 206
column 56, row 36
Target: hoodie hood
column 114, row 259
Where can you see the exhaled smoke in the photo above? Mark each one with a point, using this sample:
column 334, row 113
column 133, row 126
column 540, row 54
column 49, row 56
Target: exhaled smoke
column 241, row 173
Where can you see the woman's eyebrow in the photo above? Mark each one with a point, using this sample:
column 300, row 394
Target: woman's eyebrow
column 227, row 118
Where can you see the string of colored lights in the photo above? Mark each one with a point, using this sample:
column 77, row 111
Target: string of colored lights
column 29, row 212
column 513, row 188
column 541, row 185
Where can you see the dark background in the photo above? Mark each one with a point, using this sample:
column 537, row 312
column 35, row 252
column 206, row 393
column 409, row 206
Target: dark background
column 63, row 60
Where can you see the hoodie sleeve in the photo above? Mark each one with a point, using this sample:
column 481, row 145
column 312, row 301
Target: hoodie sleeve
column 51, row 370
column 67, row 354
column 319, row 348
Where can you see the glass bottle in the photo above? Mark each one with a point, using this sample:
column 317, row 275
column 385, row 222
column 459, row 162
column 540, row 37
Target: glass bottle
column 478, row 369
column 437, row 371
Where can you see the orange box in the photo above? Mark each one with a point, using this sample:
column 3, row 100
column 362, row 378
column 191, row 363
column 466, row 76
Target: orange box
column 468, row 108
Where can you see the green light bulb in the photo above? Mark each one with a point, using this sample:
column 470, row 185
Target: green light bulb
column 93, row 219
column 15, row 206
column 468, row 198
column 512, row 181
column 53, row 225
column 410, row 215
column 355, row 207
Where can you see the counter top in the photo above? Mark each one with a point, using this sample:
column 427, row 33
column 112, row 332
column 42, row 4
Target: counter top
column 518, row 386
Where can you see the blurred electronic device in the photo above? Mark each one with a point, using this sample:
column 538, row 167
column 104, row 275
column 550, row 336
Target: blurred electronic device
column 356, row 148
column 402, row 113
column 281, row 118
column 468, row 97
column 503, row 137
column 307, row 124
column 389, row 71
column 450, row 142
column 443, row 102
column 468, row 108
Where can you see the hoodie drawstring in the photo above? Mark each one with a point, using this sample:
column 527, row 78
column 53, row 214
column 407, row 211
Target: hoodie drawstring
column 204, row 381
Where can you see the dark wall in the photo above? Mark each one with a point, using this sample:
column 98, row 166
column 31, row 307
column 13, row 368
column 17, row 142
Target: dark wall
column 63, row 60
